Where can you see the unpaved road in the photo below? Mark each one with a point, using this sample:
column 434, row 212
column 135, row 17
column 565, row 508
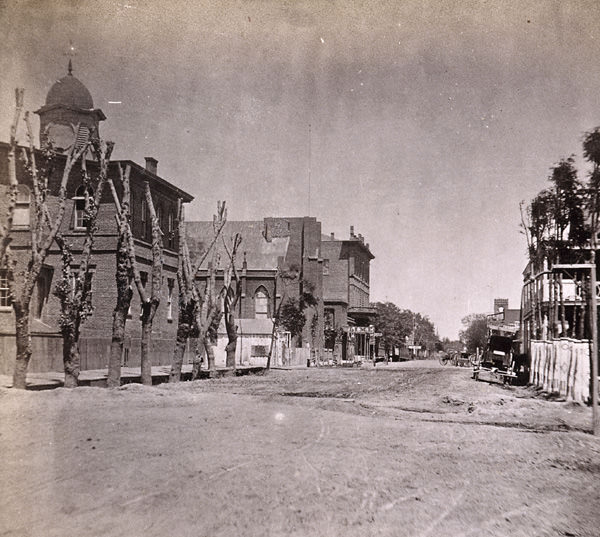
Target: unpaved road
column 414, row 450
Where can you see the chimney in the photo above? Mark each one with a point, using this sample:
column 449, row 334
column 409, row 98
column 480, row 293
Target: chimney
column 360, row 237
column 151, row 165
column 351, row 232
column 332, row 236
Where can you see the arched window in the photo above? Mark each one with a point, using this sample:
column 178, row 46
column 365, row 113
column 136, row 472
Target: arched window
column 261, row 303
column 82, row 203
column 22, row 215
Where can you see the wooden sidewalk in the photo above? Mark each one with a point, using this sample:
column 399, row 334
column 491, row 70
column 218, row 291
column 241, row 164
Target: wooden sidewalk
column 129, row 375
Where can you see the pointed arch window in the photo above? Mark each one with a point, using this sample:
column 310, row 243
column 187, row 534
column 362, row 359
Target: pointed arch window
column 261, row 303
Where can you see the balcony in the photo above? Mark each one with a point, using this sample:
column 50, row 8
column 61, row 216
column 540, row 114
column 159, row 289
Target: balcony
column 361, row 311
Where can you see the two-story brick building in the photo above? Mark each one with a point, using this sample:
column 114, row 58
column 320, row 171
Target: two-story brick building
column 67, row 117
column 346, row 290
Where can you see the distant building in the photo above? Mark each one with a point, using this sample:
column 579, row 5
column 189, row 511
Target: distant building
column 268, row 246
column 500, row 304
column 504, row 320
column 346, row 293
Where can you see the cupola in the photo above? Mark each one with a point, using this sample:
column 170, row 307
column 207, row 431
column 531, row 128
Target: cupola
column 69, row 115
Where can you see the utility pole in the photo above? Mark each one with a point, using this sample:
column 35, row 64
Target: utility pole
column 309, row 163
column 594, row 368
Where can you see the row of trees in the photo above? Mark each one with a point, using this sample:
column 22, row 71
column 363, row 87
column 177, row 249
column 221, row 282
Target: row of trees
column 565, row 215
column 398, row 326
column 201, row 304
column 560, row 225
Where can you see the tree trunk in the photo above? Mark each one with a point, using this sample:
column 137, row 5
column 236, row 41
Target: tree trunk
column 146, row 360
column 116, row 348
column 197, row 360
column 184, row 328
column 71, row 359
column 232, row 340
column 23, row 338
column 271, row 345
column 124, row 293
column 210, row 354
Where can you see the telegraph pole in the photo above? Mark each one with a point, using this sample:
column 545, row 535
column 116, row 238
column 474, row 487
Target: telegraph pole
column 594, row 368
column 309, row 163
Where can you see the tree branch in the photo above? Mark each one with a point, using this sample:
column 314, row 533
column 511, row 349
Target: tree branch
column 219, row 221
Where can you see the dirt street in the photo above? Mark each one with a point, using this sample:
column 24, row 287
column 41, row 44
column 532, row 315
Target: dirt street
column 400, row 450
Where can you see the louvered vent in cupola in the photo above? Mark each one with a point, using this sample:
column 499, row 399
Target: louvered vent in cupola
column 83, row 135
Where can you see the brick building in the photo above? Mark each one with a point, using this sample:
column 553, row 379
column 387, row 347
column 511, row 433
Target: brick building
column 346, row 285
column 67, row 117
column 268, row 246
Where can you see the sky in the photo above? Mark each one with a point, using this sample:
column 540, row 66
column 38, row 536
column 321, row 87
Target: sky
column 421, row 123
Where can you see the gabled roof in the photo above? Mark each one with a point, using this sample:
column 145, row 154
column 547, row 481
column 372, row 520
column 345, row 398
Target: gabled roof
column 260, row 253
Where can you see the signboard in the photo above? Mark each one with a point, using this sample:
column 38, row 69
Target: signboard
column 361, row 330
column 414, row 347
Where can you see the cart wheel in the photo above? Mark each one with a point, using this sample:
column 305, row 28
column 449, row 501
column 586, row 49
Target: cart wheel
column 444, row 359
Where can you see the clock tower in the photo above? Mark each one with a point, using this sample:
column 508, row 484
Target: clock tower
column 69, row 116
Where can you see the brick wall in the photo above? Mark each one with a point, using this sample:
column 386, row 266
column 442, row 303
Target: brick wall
column 335, row 283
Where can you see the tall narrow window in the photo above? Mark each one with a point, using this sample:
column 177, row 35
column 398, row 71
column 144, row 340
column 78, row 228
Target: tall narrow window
column 171, row 231
column 87, row 284
column 82, row 204
column 4, row 292
column 44, row 282
column 21, row 216
column 144, row 218
column 261, row 303
column 159, row 216
column 170, row 287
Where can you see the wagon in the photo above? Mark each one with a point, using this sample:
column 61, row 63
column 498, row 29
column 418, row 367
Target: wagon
column 498, row 358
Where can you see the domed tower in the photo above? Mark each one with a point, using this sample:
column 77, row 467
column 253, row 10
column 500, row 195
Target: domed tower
column 69, row 114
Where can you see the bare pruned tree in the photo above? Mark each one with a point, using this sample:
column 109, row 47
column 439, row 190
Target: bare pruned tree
column 44, row 228
column 208, row 315
column 6, row 225
column 123, row 277
column 128, row 274
column 74, row 287
column 284, row 279
column 187, row 298
column 198, row 310
column 150, row 302
column 230, row 295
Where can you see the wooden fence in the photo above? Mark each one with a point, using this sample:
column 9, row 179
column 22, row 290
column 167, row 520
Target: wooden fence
column 562, row 366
